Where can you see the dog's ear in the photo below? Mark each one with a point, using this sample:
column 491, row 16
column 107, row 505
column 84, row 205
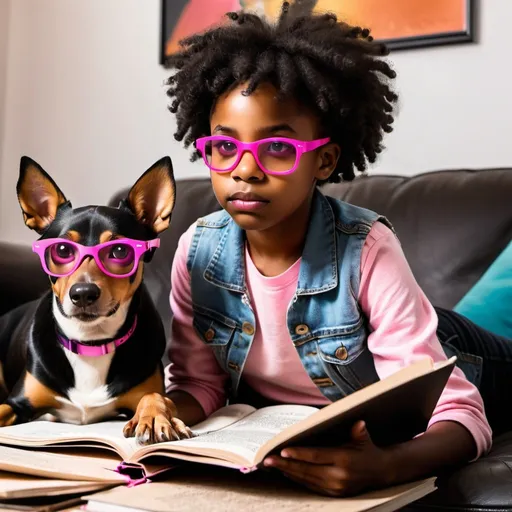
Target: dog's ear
column 152, row 197
column 38, row 195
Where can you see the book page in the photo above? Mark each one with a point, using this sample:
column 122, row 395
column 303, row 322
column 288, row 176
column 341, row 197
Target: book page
column 48, row 433
column 68, row 466
column 243, row 438
column 222, row 418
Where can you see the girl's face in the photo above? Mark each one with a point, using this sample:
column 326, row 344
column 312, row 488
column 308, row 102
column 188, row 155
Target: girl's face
column 256, row 200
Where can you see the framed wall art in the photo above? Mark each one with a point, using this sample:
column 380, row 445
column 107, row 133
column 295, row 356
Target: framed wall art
column 399, row 23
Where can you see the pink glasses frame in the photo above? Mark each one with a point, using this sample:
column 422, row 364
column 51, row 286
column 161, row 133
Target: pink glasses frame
column 300, row 146
column 139, row 248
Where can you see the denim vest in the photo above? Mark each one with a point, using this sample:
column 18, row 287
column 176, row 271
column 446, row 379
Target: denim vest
column 324, row 319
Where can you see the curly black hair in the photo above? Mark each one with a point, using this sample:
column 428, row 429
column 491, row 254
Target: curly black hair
column 330, row 66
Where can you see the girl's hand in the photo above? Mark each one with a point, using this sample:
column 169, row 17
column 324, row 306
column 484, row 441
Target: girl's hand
column 343, row 471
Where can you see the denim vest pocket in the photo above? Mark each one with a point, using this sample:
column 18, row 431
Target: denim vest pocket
column 347, row 361
column 338, row 355
column 215, row 330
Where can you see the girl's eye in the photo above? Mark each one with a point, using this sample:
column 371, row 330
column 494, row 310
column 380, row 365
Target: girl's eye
column 226, row 147
column 280, row 148
column 118, row 252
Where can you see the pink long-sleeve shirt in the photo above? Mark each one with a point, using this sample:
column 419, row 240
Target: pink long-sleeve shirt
column 402, row 320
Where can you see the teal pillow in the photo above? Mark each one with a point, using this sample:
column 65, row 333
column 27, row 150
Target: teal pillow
column 489, row 303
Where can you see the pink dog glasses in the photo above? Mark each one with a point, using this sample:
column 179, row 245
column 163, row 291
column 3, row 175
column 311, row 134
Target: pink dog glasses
column 118, row 258
column 275, row 155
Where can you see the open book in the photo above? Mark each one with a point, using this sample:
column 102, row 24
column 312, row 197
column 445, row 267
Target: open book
column 395, row 409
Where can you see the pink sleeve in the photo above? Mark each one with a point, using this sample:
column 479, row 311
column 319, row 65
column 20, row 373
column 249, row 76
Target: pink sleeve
column 193, row 366
column 403, row 325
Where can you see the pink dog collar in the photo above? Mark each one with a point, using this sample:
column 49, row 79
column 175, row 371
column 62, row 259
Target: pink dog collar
column 97, row 350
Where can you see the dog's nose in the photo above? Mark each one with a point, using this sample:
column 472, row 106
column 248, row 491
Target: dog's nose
column 84, row 294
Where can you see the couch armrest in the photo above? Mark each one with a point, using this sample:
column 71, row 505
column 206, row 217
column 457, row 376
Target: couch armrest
column 21, row 276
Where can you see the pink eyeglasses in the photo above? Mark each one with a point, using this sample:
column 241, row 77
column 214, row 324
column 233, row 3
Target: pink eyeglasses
column 118, row 258
column 275, row 155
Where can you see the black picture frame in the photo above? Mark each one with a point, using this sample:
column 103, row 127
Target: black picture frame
column 171, row 10
column 456, row 37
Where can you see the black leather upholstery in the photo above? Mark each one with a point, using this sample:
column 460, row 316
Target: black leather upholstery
column 21, row 276
column 452, row 225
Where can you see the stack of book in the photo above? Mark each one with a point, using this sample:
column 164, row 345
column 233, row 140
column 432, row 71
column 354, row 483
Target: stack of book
column 47, row 466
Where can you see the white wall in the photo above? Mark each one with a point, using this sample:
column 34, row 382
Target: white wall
column 456, row 102
column 85, row 98
column 4, row 39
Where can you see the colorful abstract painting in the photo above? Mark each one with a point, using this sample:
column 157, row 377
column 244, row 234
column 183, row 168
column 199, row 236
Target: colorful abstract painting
column 399, row 23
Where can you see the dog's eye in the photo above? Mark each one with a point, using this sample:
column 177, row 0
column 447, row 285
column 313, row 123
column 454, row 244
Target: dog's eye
column 118, row 258
column 118, row 252
column 60, row 254
column 64, row 251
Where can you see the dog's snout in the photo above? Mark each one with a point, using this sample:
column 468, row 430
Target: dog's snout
column 84, row 294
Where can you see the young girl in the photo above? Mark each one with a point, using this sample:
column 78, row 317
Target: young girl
column 287, row 293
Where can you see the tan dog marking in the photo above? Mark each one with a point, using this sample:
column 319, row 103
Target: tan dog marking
column 7, row 416
column 152, row 199
column 39, row 198
column 41, row 398
column 106, row 236
column 74, row 236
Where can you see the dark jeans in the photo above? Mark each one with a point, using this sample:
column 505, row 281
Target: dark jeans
column 486, row 360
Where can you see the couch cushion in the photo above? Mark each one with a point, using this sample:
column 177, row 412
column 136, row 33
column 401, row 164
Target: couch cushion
column 484, row 485
column 21, row 276
column 452, row 224
column 489, row 303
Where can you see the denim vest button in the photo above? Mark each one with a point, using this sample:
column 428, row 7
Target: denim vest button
column 301, row 329
column 248, row 328
column 323, row 382
column 233, row 366
column 341, row 353
column 209, row 334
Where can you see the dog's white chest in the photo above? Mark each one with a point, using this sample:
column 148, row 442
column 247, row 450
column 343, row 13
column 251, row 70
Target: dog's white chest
column 89, row 400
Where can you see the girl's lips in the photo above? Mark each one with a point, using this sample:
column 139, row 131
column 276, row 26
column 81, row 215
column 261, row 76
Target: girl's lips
column 247, row 201
column 248, row 205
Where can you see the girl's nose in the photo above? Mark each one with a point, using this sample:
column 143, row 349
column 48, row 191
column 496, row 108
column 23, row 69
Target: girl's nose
column 248, row 169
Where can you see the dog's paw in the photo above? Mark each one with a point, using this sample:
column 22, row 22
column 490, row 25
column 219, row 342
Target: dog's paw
column 7, row 415
column 153, row 422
